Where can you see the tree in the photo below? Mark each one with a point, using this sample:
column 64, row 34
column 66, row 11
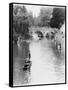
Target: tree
column 58, row 17
column 20, row 20
column 30, row 19
column 44, row 16
column 19, row 10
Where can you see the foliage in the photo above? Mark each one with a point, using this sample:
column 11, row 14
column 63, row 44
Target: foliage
column 58, row 17
column 44, row 17
column 20, row 20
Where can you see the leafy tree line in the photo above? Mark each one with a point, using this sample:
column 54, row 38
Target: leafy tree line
column 22, row 19
column 58, row 18
column 44, row 17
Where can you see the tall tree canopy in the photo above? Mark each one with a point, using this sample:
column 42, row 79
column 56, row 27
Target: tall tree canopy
column 58, row 17
column 20, row 19
column 44, row 16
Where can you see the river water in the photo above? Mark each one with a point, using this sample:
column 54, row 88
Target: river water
column 46, row 67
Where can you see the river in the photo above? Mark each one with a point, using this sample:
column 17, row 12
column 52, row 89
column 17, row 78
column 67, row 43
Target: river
column 46, row 67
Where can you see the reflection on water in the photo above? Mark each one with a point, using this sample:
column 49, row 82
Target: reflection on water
column 44, row 68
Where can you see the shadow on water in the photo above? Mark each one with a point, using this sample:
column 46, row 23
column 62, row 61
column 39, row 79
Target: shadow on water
column 20, row 54
column 59, row 54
